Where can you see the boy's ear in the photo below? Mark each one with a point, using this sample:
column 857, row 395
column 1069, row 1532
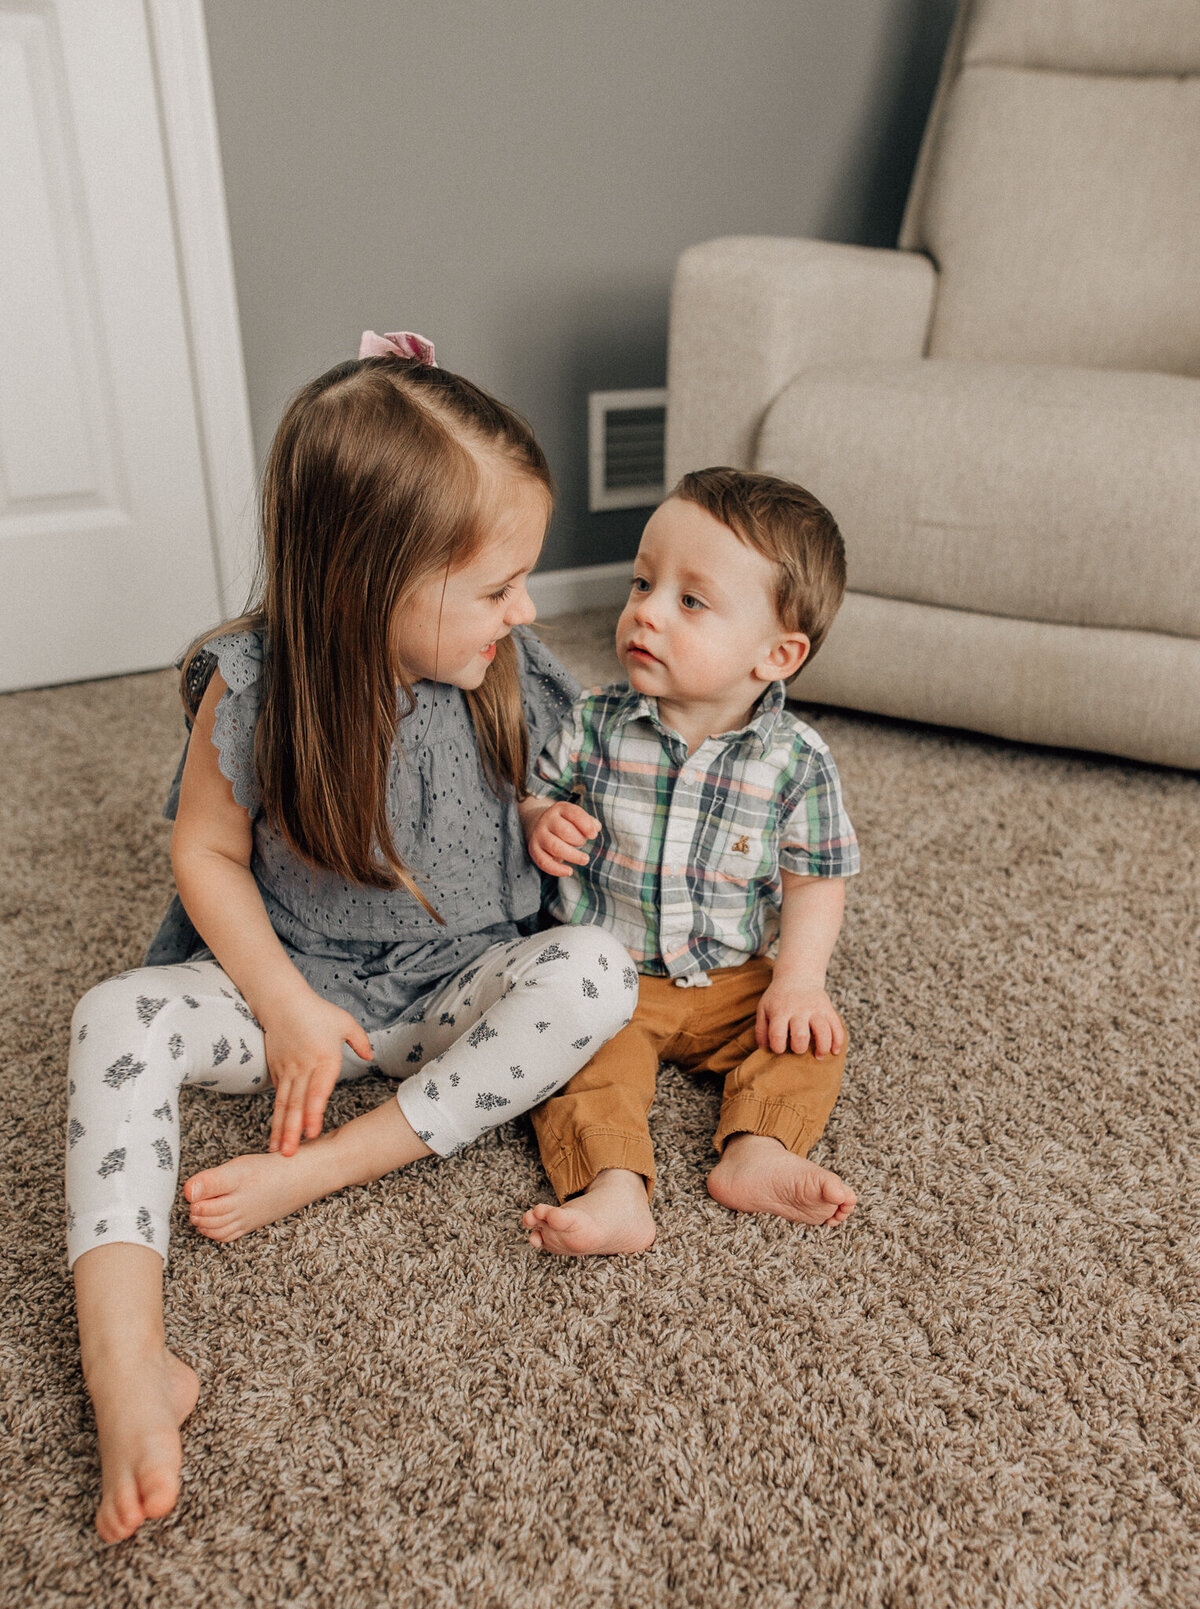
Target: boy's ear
column 784, row 659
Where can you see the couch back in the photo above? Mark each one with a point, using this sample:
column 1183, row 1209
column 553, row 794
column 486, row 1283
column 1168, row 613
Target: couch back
column 1058, row 187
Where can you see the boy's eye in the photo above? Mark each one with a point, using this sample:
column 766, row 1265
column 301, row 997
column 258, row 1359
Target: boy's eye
column 640, row 584
column 690, row 601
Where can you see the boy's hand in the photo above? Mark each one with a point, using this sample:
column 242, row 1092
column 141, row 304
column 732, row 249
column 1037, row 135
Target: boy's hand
column 555, row 835
column 304, row 1056
column 792, row 1014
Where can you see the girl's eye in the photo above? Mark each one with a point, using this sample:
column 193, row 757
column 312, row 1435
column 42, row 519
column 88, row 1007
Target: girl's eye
column 499, row 597
column 690, row 601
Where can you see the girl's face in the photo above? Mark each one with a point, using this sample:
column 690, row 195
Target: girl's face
column 448, row 629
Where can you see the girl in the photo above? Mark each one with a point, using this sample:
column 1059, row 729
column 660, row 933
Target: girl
column 354, row 893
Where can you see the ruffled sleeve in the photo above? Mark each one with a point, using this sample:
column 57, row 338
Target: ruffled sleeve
column 549, row 691
column 240, row 657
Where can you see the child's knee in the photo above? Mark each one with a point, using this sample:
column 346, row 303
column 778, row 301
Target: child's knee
column 105, row 1003
column 128, row 1016
column 607, row 978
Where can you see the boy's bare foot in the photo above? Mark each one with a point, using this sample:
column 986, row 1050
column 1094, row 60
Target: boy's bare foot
column 611, row 1218
column 758, row 1174
column 258, row 1189
column 140, row 1403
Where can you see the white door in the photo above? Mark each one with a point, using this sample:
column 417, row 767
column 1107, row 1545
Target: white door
column 107, row 555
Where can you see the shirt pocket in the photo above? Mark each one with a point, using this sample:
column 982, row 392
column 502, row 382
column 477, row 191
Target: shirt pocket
column 743, row 855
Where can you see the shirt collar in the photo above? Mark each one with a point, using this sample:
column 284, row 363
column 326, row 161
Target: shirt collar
column 759, row 730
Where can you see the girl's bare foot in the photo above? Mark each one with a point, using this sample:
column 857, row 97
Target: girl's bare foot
column 612, row 1217
column 258, row 1189
column 140, row 1402
column 255, row 1190
column 758, row 1174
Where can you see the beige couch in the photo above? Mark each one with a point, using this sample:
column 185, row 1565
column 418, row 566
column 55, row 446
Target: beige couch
column 1004, row 414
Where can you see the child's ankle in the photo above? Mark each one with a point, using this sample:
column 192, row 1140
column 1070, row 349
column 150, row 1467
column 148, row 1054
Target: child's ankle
column 622, row 1179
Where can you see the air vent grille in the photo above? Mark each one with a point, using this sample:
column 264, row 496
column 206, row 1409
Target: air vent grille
column 626, row 447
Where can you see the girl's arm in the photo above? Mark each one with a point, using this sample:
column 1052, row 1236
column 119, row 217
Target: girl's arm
column 795, row 1007
column 555, row 830
column 210, row 856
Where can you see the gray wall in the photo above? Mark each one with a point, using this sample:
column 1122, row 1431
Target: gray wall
column 515, row 179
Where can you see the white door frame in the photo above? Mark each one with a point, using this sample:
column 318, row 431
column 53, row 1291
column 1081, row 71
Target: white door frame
column 179, row 45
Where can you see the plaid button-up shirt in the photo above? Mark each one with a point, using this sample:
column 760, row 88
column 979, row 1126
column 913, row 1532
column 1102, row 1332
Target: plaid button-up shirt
column 686, row 868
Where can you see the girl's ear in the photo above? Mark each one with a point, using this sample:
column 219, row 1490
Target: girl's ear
column 784, row 659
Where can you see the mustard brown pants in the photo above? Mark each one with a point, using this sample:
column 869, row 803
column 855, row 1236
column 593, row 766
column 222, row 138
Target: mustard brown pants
column 600, row 1120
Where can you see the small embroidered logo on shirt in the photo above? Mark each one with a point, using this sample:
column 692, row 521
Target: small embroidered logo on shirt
column 742, row 847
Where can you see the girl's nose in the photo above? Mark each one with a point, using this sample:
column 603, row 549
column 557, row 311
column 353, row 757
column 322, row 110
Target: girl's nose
column 523, row 610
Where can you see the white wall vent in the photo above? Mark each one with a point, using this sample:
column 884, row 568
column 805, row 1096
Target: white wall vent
column 626, row 449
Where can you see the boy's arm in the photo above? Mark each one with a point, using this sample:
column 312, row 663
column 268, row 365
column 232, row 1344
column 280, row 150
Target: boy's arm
column 795, row 1007
column 210, row 856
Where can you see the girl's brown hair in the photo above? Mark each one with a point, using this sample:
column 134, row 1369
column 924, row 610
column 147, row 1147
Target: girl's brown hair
column 381, row 474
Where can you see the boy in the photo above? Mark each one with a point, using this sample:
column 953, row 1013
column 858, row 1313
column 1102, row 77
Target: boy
column 720, row 826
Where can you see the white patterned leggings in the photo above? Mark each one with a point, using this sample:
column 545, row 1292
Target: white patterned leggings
column 495, row 1040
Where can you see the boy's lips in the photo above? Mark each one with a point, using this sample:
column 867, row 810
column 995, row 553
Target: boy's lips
column 642, row 655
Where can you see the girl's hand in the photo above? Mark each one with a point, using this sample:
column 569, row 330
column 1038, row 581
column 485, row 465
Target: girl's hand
column 554, row 838
column 304, row 1056
column 790, row 1015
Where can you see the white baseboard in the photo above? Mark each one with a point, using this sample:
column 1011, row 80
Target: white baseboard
column 592, row 586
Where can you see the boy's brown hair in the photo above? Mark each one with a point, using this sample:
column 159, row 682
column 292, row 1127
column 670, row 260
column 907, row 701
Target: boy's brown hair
column 790, row 527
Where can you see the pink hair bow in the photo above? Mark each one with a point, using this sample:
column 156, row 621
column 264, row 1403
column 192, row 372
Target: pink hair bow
column 396, row 344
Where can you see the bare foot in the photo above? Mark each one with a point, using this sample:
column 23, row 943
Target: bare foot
column 258, row 1189
column 140, row 1404
column 612, row 1217
column 758, row 1174
column 255, row 1190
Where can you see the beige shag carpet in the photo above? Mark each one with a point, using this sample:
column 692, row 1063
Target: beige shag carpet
column 982, row 1391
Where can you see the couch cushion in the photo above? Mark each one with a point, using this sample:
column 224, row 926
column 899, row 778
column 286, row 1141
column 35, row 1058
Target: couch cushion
column 1105, row 36
column 1040, row 493
column 1063, row 212
column 1120, row 692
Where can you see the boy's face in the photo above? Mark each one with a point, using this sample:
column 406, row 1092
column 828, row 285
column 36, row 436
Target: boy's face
column 700, row 625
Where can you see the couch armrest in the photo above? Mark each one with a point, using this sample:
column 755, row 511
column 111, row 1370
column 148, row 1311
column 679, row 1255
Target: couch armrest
column 750, row 313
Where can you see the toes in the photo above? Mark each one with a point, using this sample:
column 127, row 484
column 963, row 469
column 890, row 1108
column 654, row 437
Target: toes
column 211, row 1183
column 120, row 1514
column 204, row 1186
column 159, row 1492
column 223, row 1233
column 149, row 1497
